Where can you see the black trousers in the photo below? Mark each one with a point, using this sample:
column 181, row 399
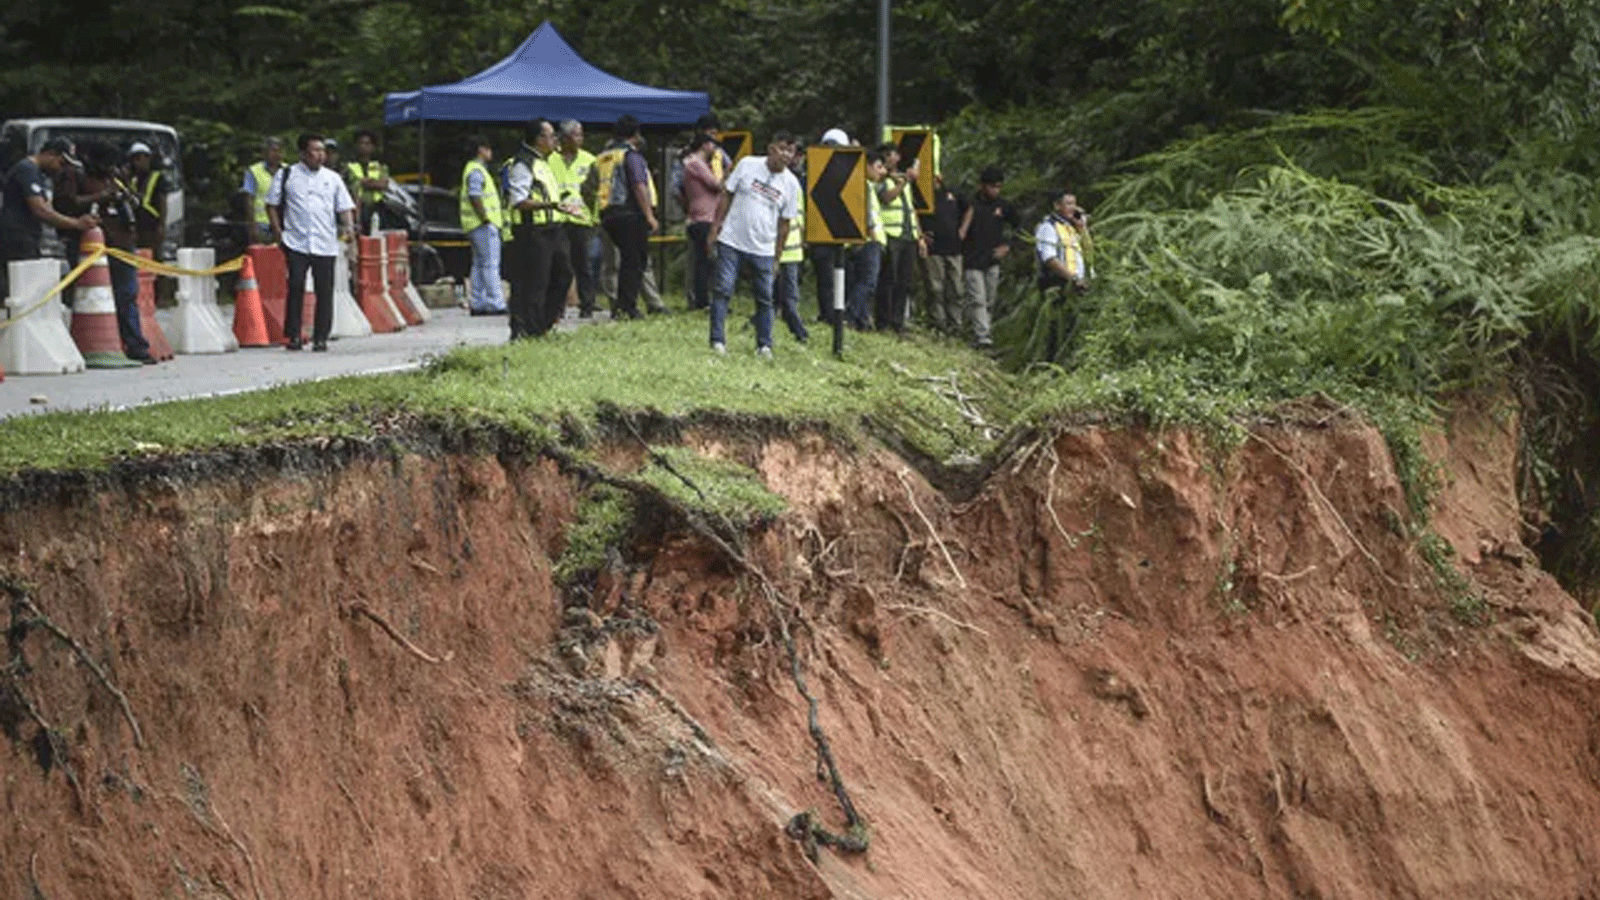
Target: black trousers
column 553, row 300
column 540, row 276
column 823, row 259
column 892, row 302
column 632, row 238
column 577, row 239
column 699, row 264
column 294, row 304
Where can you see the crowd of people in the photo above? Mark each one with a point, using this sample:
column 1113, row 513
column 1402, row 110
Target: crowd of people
column 555, row 201
column 73, row 189
column 554, row 217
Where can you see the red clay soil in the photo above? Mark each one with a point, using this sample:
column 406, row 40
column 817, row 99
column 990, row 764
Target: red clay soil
column 1131, row 667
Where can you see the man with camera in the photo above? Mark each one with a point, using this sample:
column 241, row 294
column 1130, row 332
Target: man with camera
column 100, row 190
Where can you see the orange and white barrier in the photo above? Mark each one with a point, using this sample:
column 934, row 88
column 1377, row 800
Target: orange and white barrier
column 408, row 300
column 348, row 322
column 38, row 343
column 199, row 326
column 372, row 283
column 94, row 311
column 394, row 281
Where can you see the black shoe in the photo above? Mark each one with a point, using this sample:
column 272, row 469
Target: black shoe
column 294, row 344
column 319, row 347
column 145, row 358
column 488, row 312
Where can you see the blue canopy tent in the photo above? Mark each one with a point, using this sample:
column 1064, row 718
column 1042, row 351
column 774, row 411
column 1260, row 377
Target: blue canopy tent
column 545, row 77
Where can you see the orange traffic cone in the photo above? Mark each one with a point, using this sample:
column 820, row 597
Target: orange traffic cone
column 160, row 348
column 249, row 321
column 94, row 311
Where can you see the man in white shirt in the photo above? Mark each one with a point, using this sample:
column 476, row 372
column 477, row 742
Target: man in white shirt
column 760, row 198
column 1062, row 242
column 310, row 210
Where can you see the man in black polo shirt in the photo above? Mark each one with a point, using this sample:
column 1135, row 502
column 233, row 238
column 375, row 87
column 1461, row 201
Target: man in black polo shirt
column 25, row 205
column 941, row 268
column 985, row 234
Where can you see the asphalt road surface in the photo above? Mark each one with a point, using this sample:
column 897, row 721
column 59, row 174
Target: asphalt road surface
column 249, row 369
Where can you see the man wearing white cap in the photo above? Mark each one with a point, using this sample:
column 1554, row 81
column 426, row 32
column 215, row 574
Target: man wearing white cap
column 150, row 199
column 824, row 257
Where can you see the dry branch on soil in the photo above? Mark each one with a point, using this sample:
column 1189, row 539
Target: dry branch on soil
column 931, row 530
column 937, row 614
column 1316, row 491
column 360, row 608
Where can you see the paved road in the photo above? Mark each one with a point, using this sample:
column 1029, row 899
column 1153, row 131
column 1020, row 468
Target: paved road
column 245, row 370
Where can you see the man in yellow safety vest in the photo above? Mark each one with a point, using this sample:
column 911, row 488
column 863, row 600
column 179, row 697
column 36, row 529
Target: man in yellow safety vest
column 481, row 220
column 571, row 167
column 257, row 181
column 150, row 199
column 367, row 177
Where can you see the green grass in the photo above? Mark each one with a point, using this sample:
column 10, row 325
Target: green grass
column 661, row 365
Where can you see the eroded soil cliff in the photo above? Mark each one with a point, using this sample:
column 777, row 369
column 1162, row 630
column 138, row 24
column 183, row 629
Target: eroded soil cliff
column 1129, row 667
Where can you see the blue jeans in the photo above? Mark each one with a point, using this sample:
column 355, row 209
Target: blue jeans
column 484, row 282
column 729, row 262
column 788, row 299
column 864, row 263
column 125, row 291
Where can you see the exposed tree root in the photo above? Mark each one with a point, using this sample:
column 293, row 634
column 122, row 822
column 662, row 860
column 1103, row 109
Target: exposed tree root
column 37, row 617
column 360, row 608
column 724, row 537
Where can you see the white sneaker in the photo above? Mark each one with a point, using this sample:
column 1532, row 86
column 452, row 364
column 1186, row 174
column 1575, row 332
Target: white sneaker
column 763, row 353
column 719, row 349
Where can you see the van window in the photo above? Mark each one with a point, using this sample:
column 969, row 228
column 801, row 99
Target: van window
column 13, row 146
column 163, row 144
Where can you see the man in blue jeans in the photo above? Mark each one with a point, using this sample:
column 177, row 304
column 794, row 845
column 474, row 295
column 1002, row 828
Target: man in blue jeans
column 866, row 259
column 759, row 199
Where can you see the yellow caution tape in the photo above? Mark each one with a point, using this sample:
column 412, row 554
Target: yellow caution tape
column 161, row 268
column 133, row 259
column 83, row 266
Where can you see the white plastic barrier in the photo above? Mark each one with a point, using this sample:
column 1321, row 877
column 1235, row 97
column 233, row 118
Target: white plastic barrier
column 199, row 326
column 348, row 321
column 38, row 343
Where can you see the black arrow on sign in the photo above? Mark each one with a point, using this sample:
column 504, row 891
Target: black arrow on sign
column 910, row 149
column 827, row 200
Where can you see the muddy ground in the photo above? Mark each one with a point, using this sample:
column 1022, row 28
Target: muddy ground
column 1131, row 666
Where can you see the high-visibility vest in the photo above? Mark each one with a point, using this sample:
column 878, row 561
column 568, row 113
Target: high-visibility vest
column 875, row 215
column 569, row 183
column 793, row 248
column 263, row 178
column 147, row 193
column 898, row 216
column 1069, row 249
column 545, row 189
column 490, row 198
column 613, row 179
column 360, row 172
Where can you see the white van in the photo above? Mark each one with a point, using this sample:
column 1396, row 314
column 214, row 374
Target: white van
column 23, row 137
